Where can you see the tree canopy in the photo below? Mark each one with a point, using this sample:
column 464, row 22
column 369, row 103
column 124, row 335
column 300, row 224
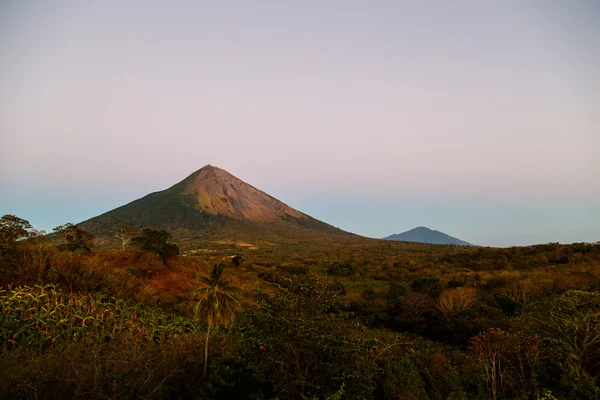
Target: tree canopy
column 13, row 229
column 154, row 240
column 74, row 238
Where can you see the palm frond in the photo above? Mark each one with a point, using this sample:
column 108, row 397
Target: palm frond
column 219, row 301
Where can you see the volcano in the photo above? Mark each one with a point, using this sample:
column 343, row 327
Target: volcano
column 212, row 204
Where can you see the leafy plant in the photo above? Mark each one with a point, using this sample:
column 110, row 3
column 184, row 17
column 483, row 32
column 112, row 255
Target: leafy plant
column 218, row 304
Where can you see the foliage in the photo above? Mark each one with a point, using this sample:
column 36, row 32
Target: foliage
column 508, row 361
column 454, row 302
column 38, row 317
column 153, row 240
column 429, row 285
column 395, row 293
column 13, row 229
column 218, row 304
column 74, row 238
column 403, row 380
column 57, row 345
column 300, row 348
column 390, row 320
column 571, row 324
column 295, row 270
column 342, row 269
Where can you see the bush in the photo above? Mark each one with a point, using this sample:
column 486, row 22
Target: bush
column 402, row 381
column 155, row 241
column 395, row 293
column 454, row 302
column 429, row 285
column 293, row 269
column 341, row 269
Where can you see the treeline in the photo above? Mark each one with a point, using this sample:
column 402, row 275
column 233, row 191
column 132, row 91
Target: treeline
column 121, row 323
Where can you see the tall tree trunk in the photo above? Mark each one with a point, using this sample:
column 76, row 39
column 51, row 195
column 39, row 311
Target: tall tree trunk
column 206, row 351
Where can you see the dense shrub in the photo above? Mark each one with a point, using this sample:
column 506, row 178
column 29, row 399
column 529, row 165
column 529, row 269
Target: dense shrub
column 395, row 293
column 342, row 269
column 429, row 285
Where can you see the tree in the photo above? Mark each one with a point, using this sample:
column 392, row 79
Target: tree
column 507, row 360
column 74, row 238
column 124, row 234
column 154, row 240
column 218, row 304
column 13, row 229
column 570, row 323
column 236, row 260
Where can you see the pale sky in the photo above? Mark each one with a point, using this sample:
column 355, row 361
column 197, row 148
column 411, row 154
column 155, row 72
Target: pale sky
column 480, row 119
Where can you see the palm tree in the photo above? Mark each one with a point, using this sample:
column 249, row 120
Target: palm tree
column 218, row 303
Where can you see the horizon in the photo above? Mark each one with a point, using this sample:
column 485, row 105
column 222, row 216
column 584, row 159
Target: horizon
column 476, row 120
column 404, row 230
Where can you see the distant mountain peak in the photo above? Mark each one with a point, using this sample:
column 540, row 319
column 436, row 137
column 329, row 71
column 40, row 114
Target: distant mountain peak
column 422, row 234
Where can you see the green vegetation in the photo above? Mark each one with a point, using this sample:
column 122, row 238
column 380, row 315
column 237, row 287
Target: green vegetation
column 336, row 318
column 74, row 238
column 153, row 240
column 39, row 317
column 218, row 303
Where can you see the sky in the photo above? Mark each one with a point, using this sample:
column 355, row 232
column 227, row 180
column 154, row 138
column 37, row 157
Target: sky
column 478, row 119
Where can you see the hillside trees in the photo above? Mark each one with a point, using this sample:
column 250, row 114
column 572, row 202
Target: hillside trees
column 74, row 238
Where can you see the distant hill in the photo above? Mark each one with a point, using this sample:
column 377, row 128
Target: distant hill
column 426, row 235
column 210, row 206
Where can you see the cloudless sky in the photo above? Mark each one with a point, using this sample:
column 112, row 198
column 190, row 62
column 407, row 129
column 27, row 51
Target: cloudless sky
column 476, row 118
